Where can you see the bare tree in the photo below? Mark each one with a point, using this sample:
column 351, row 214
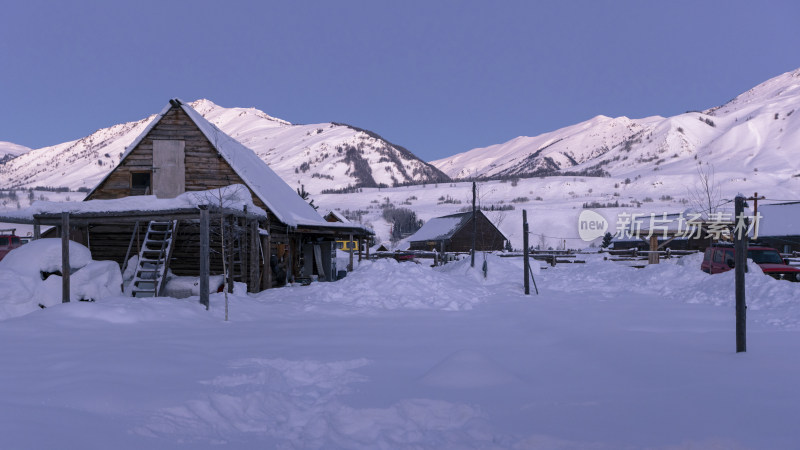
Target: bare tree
column 706, row 195
column 221, row 199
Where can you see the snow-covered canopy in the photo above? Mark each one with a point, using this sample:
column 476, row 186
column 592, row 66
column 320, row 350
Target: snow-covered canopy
column 440, row 227
column 231, row 197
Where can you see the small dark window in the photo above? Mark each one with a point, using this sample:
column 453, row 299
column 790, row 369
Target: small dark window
column 14, row 240
column 718, row 256
column 3, row 241
column 140, row 183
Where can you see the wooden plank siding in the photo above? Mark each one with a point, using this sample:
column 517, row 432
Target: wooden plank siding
column 205, row 167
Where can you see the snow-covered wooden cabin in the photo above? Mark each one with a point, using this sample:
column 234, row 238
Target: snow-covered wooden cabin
column 179, row 152
column 453, row 233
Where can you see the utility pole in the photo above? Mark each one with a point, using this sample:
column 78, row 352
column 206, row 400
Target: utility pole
column 474, row 224
column 755, row 203
column 525, row 263
column 740, row 265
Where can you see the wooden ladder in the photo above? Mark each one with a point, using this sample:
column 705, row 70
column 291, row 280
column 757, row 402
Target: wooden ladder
column 154, row 259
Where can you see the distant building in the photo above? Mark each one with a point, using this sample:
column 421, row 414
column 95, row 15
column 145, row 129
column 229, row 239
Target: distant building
column 453, row 233
column 335, row 216
column 779, row 226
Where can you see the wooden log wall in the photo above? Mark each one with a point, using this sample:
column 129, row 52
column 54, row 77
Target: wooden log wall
column 488, row 237
column 205, row 167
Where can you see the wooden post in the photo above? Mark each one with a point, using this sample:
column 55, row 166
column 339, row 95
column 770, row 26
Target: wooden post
column 65, row 257
column 652, row 257
column 366, row 250
column 266, row 244
column 525, row 262
column 350, row 265
column 474, row 225
column 204, row 256
column 255, row 257
column 360, row 248
column 740, row 264
column 229, row 255
column 37, row 230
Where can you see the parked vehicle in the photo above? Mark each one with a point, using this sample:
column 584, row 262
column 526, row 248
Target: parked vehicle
column 8, row 241
column 720, row 258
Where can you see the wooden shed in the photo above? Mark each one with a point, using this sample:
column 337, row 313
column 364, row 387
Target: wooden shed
column 453, row 233
column 280, row 239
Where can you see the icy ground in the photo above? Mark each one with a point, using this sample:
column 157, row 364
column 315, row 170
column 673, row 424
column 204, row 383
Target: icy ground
column 406, row 356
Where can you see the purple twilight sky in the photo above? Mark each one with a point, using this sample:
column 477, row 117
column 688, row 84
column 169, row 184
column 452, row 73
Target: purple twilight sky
column 438, row 77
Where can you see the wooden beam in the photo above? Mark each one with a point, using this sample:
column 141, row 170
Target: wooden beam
column 204, row 257
column 266, row 271
column 65, row 257
column 350, row 264
column 255, row 258
column 229, row 254
column 652, row 257
column 667, row 241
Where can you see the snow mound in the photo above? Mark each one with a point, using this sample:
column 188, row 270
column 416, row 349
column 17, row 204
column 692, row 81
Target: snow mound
column 770, row 300
column 299, row 402
column 44, row 255
column 388, row 284
column 22, row 289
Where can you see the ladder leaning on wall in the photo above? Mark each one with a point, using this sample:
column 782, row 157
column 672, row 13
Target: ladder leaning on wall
column 154, row 256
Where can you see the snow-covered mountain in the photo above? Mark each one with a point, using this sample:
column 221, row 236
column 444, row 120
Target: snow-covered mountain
column 319, row 156
column 9, row 151
column 756, row 130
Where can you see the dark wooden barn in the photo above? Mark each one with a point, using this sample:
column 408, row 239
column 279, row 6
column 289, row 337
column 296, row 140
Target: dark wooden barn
column 281, row 238
column 453, row 233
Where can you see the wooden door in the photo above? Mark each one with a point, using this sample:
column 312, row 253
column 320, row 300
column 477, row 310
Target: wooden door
column 169, row 169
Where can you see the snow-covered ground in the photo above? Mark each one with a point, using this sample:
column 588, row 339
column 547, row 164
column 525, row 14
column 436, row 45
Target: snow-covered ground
column 400, row 355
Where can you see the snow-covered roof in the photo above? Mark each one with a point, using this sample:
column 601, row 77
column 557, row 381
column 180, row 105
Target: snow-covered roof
column 236, row 197
column 779, row 220
column 271, row 189
column 440, row 227
column 279, row 197
column 338, row 216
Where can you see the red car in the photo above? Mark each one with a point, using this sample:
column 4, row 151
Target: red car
column 720, row 258
column 8, row 241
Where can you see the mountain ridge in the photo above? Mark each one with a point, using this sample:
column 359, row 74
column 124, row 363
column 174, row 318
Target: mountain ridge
column 324, row 156
column 756, row 122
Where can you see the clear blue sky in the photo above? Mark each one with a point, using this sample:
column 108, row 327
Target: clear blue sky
column 438, row 77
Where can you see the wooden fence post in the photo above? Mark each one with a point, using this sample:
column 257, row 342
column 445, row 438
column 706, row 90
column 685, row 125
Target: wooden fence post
column 525, row 263
column 652, row 257
column 740, row 264
column 65, row 269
